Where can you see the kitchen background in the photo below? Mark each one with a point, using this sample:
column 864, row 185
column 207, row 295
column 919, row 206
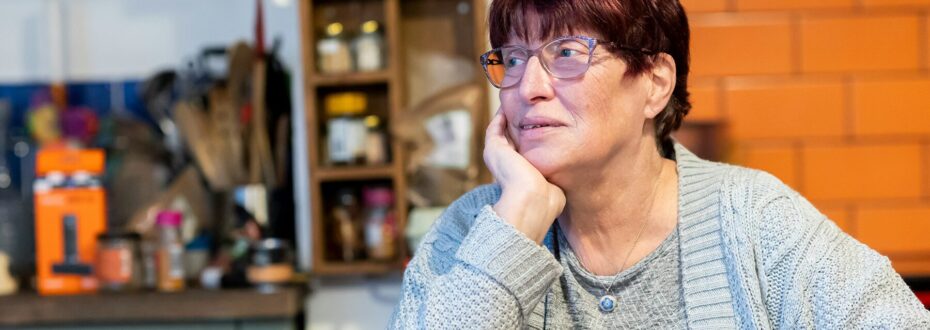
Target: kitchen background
column 361, row 119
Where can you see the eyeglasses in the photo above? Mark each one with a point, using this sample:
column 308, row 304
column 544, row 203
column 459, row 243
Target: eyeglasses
column 564, row 58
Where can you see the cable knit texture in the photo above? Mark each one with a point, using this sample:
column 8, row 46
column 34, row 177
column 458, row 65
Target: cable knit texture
column 754, row 254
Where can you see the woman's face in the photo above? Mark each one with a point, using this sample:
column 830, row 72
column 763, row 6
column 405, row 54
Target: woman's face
column 587, row 120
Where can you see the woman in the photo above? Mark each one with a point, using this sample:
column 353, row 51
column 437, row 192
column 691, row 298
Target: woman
column 598, row 219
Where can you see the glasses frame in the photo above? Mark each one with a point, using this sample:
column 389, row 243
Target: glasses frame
column 485, row 60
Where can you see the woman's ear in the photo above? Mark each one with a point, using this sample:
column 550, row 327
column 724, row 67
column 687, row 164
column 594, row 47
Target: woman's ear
column 661, row 79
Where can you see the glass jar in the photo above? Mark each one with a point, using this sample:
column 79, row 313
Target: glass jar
column 346, row 227
column 369, row 47
column 376, row 147
column 332, row 51
column 345, row 128
column 118, row 262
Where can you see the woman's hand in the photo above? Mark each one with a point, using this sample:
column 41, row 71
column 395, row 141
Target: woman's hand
column 528, row 201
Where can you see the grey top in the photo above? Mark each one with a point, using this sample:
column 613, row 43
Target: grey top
column 754, row 254
column 649, row 292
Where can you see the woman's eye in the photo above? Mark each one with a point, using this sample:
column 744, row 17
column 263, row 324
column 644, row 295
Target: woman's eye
column 565, row 52
column 513, row 61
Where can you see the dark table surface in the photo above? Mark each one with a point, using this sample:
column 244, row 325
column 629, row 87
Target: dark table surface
column 190, row 305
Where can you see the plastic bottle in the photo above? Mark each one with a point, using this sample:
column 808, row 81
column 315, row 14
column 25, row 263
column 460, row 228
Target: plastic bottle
column 170, row 253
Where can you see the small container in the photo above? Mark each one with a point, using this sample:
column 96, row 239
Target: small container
column 375, row 142
column 333, row 53
column 346, row 128
column 169, row 258
column 118, row 262
column 369, row 47
column 8, row 284
column 270, row 265
column 380, row 231
column 346, row 225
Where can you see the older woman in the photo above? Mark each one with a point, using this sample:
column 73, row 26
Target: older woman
column 599, row 219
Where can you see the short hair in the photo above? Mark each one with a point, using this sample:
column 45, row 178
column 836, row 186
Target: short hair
column 657, row 25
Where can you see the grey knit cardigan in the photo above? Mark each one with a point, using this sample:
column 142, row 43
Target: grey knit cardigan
column 754, row 255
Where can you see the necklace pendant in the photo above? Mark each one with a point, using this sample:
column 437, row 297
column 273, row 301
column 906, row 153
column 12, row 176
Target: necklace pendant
column 607, row 303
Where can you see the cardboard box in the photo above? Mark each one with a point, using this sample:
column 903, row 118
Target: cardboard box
column 70, row 211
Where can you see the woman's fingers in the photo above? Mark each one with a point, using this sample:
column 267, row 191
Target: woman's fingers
column 497, row 127
column 528, row 201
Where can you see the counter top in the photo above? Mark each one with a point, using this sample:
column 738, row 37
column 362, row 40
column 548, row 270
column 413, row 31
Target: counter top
column 196, row 304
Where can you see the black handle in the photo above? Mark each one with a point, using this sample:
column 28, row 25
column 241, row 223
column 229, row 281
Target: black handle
column 70, row 238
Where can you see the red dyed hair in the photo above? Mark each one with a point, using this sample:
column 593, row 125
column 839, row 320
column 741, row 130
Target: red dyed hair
column 658, row 25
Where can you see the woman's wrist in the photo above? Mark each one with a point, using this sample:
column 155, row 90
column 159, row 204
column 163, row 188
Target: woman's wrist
column 517, row 209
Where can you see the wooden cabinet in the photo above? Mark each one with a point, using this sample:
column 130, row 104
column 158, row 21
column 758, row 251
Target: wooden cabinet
column 458, row 37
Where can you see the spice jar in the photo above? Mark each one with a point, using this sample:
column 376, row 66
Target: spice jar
column 369, row 47
column 118, row 266
column 346, row 128
column 333, row 54
column 375, row 142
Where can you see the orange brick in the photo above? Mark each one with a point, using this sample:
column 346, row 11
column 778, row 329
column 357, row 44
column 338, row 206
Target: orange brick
column 894, row 3
column 892, row 107
column 786, row 109
column 730, row 44
column 779, row 161
column 926, row 41
column 840, row 216
column 792, row 4
column 862, row 172
column 926, row 167
column 860, row 43
column 895, row 230
column 705, row 103
column 697, row 6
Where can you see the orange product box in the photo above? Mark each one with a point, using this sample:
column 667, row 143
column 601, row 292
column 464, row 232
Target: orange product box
column 70, row 210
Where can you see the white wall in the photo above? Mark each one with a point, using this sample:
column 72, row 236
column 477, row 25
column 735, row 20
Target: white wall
column 129, row 39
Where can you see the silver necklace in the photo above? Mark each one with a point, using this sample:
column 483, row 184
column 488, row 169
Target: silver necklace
column 608, row 302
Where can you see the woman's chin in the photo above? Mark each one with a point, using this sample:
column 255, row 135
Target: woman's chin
column 546, row 162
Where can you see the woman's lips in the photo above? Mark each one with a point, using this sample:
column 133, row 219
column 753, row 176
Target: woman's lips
column 534, row 128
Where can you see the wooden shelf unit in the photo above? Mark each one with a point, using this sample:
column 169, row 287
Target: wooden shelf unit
column 389, row 82
column 388, row 88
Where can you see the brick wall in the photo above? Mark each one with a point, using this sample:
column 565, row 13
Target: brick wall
column 832, row 97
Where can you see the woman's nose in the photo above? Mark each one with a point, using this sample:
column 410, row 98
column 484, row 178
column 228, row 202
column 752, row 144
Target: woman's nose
column 535, row 86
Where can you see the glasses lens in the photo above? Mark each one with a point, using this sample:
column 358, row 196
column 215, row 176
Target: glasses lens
column 514, row 59
column 494, row 67
column 567, row 58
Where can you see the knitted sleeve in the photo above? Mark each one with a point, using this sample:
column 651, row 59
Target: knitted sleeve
column 816, row 276
column 474, row 270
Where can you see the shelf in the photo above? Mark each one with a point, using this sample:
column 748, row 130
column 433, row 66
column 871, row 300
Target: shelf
column 195, row 304
column 350, row 79
column 325, row 174
column 328, row 268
